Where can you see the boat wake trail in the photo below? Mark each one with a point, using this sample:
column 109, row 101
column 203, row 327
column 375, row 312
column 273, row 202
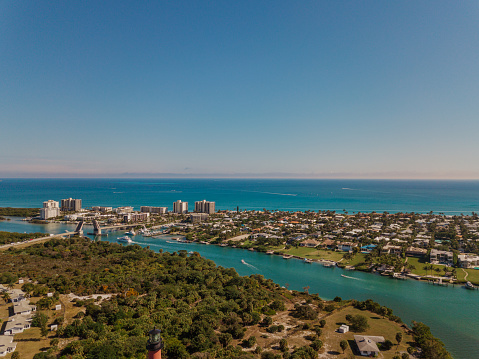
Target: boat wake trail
column 346, row 276
column 249, row 265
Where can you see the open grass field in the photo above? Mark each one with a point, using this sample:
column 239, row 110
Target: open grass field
column 357, row 260
column 472, row 275
column 378, row 326
column 419, row 267
column 313, row 253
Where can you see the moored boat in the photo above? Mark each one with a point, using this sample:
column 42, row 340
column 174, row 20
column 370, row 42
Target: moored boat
column 469, row 285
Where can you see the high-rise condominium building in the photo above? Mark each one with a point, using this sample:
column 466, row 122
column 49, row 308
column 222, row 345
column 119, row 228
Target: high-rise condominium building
column 205, row 207
column 180, row 207
column 71, row 205
column 50, row 209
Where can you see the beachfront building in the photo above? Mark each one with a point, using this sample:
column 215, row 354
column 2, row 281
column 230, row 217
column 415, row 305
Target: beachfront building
column 156, row 210
column 7, row 345
column 71, row 205
column 367, row 345
column 205, row 207
column 50, row 209
column 180, row 207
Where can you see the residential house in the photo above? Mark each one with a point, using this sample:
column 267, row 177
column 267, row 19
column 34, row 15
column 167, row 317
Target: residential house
column 441, row 257
column 468, row 260
column 17, row 324
column 390, row 249
column 23, row 308
column 367, row 345
column 7, row 345
column 310, row 243
column 415, row 252
column 346, row 246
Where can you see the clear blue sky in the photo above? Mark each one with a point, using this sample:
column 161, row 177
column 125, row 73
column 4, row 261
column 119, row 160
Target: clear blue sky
column 355, row 89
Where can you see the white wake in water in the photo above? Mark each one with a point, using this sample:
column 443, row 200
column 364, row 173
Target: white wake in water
column 346, row 276
column 249, row 265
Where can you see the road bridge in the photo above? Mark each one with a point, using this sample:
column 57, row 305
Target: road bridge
column 97, row 229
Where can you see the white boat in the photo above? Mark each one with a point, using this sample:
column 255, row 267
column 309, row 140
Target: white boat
column 242, row 261
column 287, row 257
column 131, row 233
column 469, row 285
column 125, row 239
column 306, row 260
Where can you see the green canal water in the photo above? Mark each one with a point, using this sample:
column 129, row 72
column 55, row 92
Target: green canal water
column 451, row 312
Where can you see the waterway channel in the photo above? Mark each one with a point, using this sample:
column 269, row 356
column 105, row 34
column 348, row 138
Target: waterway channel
column 451, row 312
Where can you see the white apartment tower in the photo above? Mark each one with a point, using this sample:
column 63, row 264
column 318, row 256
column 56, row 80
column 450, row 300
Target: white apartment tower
column 205, row 207
column 180, row 207
column 50, row 209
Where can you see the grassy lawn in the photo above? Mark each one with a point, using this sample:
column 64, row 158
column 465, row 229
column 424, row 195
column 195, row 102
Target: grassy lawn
column 28, row 343
column 312, row 253
column 377, row 327
column 357, row 260
column 473, row 275
column 419, row 264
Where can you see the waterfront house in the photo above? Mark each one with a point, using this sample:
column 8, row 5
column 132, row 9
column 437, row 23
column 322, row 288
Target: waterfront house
column 7, row 345
column 367, row 345
column 368, row 248
column 346, row 246
column 328, row 243
column 390, row 249
column 311, row 243
column 468, row 260
column 415, row 252
column 441, row 257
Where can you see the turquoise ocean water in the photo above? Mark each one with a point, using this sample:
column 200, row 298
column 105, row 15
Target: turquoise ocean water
column 450, row 197
column 451, row 312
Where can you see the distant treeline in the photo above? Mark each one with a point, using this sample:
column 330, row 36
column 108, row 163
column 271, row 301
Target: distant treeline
column 19, row 212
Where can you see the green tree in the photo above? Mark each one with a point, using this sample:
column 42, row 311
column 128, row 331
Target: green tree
column 359, row 323
column 398, row 338
column 344, row 345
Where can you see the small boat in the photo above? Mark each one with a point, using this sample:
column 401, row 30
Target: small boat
column 306, row 260
column 125, row 239
column 131, row 233
column 287, row 257
column 469, row 285
column 242, row 261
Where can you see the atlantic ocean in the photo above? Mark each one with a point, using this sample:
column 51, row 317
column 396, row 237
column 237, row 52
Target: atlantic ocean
column 421, row 196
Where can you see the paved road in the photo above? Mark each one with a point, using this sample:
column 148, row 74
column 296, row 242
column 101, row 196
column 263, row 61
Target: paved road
column 35, row 240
